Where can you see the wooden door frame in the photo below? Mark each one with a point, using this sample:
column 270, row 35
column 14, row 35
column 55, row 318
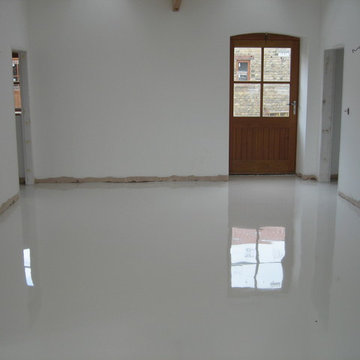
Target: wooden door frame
column 257, row 40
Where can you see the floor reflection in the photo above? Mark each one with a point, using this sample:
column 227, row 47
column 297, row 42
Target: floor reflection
column 27, row 268
column 180, row 271
column 256, row 258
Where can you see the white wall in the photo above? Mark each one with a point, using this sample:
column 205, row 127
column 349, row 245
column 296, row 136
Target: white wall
column 341, row 28
column 12, row 36
column 130, row 88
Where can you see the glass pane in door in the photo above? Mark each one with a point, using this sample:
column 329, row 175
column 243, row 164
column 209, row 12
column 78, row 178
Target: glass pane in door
column 247, row 64
column 246, row 100
column 276, row 98
column 277, row 63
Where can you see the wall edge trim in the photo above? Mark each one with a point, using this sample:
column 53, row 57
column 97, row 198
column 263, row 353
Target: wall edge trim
column 350, row 199
column 4, row 206
column 129, row 179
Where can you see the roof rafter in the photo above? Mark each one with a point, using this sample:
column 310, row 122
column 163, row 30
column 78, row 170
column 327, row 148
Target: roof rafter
column 176, row 5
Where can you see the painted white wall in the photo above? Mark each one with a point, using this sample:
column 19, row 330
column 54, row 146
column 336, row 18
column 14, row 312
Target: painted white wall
column 13, row 35
column 130, row 88
column 341, row 28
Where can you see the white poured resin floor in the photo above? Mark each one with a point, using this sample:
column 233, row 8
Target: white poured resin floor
column 260, row 268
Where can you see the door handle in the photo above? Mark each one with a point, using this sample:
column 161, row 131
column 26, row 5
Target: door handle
column 293, row 104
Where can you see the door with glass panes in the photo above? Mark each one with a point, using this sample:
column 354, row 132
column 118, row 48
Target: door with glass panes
column 264, row 75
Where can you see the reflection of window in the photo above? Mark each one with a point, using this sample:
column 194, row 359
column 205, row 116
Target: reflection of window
column 15, row 66
column 16, row 82
column 27, row 268
column 243, row 70
column 256, row 257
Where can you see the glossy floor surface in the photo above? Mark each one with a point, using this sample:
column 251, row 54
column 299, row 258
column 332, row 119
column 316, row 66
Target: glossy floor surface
column 257, row 268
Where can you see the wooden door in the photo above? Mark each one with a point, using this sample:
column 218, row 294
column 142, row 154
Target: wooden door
column 264, row 75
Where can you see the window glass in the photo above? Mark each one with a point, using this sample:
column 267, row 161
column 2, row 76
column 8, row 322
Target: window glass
column 247, row 64
column 277, row 63
column 247, row 100
column 276, row 98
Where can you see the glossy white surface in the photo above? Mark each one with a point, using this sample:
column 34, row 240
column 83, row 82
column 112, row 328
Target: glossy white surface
column 144, row 271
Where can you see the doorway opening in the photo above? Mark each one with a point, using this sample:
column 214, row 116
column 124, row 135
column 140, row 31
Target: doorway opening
column 22, row 117
column 331, row 115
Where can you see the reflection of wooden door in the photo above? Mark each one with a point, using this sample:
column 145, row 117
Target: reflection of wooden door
column 264, row 74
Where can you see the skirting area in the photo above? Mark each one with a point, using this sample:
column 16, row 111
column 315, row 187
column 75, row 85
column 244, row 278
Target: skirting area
column 141, row 179
column 8, row 203
column 350, row 199
column 131, row 179
column 307, row 177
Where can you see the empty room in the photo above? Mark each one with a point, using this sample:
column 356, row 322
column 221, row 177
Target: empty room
column 179, row 179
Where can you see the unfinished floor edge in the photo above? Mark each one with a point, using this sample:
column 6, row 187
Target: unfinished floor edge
column 350, row 199
column 8, row 203
column 307, row 177
column 131, row 179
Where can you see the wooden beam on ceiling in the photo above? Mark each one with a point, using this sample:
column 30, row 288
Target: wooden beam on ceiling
column 176, row 5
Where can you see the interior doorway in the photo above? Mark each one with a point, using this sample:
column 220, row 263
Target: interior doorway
column 22, row 117
column 331, row 114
